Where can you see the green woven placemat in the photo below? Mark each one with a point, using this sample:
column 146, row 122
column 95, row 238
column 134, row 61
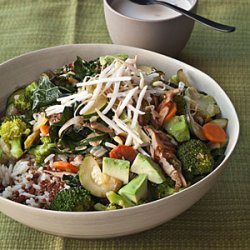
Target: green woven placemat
column 221, row 220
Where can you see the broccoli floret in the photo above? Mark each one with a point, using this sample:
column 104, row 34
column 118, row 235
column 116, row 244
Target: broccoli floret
column 72, row 199
column 165, row 189
column 196, row 158
column 23, row 99
column 21, row 102
column 45, row 139
column 42, row 151
column 12, row 130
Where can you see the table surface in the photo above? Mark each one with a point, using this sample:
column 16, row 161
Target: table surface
column 221, row 219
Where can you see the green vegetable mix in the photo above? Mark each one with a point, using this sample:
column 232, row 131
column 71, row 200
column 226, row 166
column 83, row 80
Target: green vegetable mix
column 109, row 134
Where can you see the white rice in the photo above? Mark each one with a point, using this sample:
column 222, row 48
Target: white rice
column 5, row 175
column 28, row 185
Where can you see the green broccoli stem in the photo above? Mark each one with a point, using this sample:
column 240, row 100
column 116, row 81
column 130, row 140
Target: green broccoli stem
column 16, row 148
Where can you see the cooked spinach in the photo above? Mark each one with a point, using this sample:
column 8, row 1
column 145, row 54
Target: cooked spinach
column 53, row 132
column 72, row 181
column 63, row 83
column 76, row 133
column 55, row 127
column 83, row 68
column 66, row 115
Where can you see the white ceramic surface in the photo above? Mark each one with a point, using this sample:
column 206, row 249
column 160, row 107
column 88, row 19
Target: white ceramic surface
column 167, row 36
column 24, row 69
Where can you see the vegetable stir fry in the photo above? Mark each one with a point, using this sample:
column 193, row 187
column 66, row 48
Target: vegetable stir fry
column 107, row 134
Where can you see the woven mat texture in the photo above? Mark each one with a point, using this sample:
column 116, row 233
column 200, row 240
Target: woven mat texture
column 221, row 219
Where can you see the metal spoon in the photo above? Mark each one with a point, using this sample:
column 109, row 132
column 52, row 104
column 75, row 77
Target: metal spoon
column 203, row 20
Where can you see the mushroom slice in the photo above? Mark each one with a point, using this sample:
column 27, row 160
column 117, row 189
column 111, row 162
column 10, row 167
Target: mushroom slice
column 163, row 149
column 172, row 173
column 162, row 145
column 101, row 127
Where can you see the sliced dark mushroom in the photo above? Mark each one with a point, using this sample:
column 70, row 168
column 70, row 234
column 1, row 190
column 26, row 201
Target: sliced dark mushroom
column 194, row 126
column 172, row 173
column 163, row 107
column 154, row 116
column 163, row 149
column 162, row 145
column 100, row 127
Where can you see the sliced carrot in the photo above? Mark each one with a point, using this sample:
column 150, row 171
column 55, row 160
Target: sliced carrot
column 65, row 166
column 214, row 133
column 123, row 152
column 172, row 111
column 44, row 130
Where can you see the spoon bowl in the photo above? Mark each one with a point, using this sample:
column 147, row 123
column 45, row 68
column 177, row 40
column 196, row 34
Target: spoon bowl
column 167, row 33
column 202, row 20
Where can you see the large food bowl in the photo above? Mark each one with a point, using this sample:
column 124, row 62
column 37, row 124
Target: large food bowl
column 23, row 69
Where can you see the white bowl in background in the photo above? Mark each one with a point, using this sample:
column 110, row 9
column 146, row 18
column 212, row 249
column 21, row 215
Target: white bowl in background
column 26, row 68
column 167, row 34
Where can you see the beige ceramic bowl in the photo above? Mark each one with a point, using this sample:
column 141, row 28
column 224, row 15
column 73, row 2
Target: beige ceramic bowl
column 167, row 36
column 24, row 69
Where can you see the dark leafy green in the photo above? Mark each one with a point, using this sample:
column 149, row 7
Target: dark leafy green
column 55, row 127
column 164, row 189
column 72, row 181
column 77, row 134
column 53, row 132
column 218, row 155
column 45, row 94
column 181, row 104
column 63, row 83
column 83, row 68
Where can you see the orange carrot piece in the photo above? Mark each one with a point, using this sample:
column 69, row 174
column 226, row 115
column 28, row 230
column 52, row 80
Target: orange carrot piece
column 214, row 133
column 123, row 152
column 44, row 130
column 65, row 166
column 172, row 111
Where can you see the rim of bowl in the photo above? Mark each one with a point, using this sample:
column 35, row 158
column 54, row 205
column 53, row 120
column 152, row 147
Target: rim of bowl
column 151, row 203
column 108, row 5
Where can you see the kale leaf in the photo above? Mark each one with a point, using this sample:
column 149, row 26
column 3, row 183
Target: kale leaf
column 45, row 94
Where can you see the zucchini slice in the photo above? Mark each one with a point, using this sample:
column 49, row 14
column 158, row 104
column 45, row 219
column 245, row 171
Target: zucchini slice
column 100, row 103
column 94, row 180
column 222, row 122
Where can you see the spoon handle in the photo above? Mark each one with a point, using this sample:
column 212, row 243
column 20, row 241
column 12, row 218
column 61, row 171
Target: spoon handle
column 203, row 20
